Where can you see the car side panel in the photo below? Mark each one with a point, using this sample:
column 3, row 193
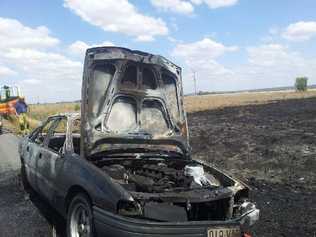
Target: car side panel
column 75, row 171
column 53, row 177
column 29, row 154
column 47, row 172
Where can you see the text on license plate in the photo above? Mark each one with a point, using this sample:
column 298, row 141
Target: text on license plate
column 224, row 232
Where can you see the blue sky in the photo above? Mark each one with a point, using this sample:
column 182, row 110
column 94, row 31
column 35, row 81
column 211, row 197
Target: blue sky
column 230, row 44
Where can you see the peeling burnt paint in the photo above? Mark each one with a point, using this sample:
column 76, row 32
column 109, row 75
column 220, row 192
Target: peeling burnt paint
column 131, row 97
column 132, row 102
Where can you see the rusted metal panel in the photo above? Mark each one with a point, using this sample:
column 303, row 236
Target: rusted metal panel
column 131, row 97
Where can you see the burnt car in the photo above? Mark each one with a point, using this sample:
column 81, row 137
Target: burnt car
column 1, row 125
column 123, row 167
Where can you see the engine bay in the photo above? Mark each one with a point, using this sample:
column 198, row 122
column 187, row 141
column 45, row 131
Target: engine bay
column 176, row 190
column 158, row 175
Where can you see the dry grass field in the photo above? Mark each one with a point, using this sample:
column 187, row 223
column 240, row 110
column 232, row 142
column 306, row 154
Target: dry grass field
column 207, row 102
column 40, row 112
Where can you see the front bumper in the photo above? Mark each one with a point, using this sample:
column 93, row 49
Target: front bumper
column 109, row 224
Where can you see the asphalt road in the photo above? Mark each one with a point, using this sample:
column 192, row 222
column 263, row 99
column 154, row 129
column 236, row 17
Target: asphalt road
column 9, row 157
column 21, row 214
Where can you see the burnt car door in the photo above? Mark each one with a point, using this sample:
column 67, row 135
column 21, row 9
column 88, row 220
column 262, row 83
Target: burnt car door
column 52, row 157
column 32, row 151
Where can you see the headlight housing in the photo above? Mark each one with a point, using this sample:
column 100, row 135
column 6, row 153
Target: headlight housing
column 249, row 214
column 129, row 208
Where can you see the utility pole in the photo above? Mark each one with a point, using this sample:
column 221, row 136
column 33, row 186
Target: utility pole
column 194, row 78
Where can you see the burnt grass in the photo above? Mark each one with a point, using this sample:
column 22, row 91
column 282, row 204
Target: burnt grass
column 271, row 147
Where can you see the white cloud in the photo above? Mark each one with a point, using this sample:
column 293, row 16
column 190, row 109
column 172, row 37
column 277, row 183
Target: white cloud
column 32, row 81
column 300, row 31
column 213, row 4
column 44, row 66
column 14, row 34
column 267, row 66
column 52, row 71
column 178, row 6
column 118, row 16
column 279, row 58
column 197, row 2
column 78, row 48
column 187, row 7
column 29, row 59
column 272, row 65
column 201, row 53
column 271, row 55
column 173, row 40
column 201, row 57
column 5, row 71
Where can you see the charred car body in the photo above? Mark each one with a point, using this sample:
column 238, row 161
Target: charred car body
column 1, row 125
column 123, row 168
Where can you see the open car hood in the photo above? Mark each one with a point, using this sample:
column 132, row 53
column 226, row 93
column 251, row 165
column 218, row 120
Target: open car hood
column 131, row 100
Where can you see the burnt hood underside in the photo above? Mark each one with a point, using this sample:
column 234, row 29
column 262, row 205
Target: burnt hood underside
column 131, row 98
column 134, row 129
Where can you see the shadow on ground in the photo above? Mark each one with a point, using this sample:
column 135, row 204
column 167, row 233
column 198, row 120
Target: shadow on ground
column 26, row 213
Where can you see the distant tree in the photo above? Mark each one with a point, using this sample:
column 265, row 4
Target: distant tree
column 301, row 83
column 77, row 107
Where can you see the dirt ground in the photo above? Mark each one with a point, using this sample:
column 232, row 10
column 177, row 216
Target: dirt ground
column 272, row 147
column 20, row 215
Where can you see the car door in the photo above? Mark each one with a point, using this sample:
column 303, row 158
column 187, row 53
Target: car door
column 31, row 151
column 51, row 160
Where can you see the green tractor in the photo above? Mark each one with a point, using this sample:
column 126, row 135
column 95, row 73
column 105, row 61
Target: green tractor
column 9, row 95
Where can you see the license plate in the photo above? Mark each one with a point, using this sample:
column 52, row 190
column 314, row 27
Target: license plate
column 224, row 232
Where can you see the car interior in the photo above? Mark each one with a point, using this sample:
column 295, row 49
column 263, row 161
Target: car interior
column 56, row 143
column 76, row 143
column 57, row 140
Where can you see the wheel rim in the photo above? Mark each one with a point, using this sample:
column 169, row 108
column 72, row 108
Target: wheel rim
column 80, row 222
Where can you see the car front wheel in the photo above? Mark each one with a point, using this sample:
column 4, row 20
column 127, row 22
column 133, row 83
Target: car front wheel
column 80, row 217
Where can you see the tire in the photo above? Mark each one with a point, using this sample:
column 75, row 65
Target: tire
column 80, row 217
column 25, row 182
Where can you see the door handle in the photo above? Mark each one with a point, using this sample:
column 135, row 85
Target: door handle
column 40, row 156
